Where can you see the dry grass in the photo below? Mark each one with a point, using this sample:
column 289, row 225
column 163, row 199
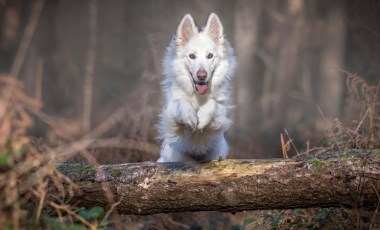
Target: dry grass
column 33, row 192
column 362, row 135
column 27, row 176
column 365, row 132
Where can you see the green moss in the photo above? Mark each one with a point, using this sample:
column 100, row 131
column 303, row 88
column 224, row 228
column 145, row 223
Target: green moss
column 77, row 170
column 75, row 165
column 354, row 150
column 74, row 174
column 88, row 170
column 115, row 172
column 344, row 159
column 329, row 161
column 318, row 164
column 359, row 162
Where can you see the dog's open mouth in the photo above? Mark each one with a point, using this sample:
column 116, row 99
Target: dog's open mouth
column 201, row 87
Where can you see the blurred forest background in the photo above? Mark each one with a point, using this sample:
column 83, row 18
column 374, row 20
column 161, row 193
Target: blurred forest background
column 88, row 58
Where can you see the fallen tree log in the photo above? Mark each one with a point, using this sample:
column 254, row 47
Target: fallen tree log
column 327, row 180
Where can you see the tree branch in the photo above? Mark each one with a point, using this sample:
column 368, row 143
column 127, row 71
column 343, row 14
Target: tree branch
column 327, row 180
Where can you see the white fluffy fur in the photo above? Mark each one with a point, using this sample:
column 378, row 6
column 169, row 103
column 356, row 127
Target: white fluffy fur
column 192, row 126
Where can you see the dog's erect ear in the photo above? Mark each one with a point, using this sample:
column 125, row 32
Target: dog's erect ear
column 214, row 28
column 186, row 30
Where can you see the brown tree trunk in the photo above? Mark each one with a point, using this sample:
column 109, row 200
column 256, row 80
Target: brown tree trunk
column 247, row 21
column 331, row 83
column 328, row 180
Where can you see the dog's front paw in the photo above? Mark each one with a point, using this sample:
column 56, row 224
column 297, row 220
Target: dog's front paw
column 206, row 113
column 218, row 123
column 203, row 121
column 187, row 115
column 184, row 114
column 190, row 120
column 215, row 124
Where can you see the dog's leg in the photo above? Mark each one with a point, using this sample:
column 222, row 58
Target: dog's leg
column 169, row 153
column 220, row 120
column 219, row 150
column 223, row 148
column 183, row 112
column 205, row 113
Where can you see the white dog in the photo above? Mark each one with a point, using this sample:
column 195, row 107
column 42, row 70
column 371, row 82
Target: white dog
column 198, row 68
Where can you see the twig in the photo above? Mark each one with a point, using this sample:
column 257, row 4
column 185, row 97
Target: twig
column 111, row 209
column 13, row 193
column 291, row 141
column 39, row 76
column 62, row 154
column 72, row 213
column 283, row 147
column 27, row 38
column 361, row 121
column 22, row 50
column 42, row 192
column 377, row 207
column 89, row 77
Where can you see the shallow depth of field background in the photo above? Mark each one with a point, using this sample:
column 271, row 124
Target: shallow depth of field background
column 89, row 58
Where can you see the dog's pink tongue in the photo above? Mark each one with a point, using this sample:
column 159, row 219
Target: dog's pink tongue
column 202, row 89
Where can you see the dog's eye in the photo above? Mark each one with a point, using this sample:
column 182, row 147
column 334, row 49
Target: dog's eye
column 192, row 56
column 209, row 56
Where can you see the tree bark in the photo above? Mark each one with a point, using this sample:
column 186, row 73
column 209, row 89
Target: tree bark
column 327, row 180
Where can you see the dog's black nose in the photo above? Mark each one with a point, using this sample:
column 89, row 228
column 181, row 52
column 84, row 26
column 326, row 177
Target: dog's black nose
column 201, row 75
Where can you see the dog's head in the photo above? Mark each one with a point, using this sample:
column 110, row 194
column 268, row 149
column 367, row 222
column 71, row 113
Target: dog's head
column 201, row 52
